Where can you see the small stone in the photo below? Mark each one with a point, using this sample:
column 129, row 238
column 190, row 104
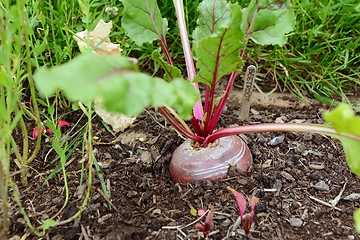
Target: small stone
column 104, row 218
column 106, row 163
column 321, row 186
column 279, row 120
column 277, row 185
column 254, row 112
column 297, row 121
column 243, row 182
column 317, row 166
column 351, row 237
column 296, row 222
column 131, row 194
column 226, row 223
column 276, row 141
column 353, row 197
column 156, row 211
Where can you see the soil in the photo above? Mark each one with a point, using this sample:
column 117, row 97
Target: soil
column 147, row 204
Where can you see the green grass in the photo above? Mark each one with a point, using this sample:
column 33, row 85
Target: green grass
column 321, row 57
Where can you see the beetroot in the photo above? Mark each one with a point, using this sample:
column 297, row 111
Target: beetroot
column 191, row 164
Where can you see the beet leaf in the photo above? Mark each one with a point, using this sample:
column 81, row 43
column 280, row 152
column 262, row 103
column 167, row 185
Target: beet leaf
column 267, row 21
column 117, row 82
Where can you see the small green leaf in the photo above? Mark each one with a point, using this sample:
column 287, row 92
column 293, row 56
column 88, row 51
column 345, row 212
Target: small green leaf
column 115, row 81
column 273, row 19
column 171, row 72
column 357, row 220
column 212, row 14
column 48, row 223
column 193, row 212
column 142, row 21
column 343, row 120
column 218, row 54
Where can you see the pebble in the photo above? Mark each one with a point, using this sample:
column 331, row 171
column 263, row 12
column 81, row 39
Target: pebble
column 131, row 194
column 242, row 182
column 353, row 197
column 277, row 185
column 276, row 141
column 279, row 120
column 254, row 112
column 104, row 218
column 296, row 222
column 156, row 211
column 317, row 166
column 321, row 186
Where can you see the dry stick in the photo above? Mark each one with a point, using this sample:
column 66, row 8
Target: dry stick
column 171, row 110
column 247, row 92
column 104, row 196
column 325, row 203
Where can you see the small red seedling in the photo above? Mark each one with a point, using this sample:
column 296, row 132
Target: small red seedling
column 241, row 201
column 205, row 228
column 200, row 212
column 63, row 123
column 48, row 131
column 35, row 132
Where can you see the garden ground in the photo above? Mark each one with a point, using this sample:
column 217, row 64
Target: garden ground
column 145, row 203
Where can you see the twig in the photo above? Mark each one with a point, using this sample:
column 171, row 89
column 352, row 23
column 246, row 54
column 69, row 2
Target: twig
column 104, row 196
column 325, row 203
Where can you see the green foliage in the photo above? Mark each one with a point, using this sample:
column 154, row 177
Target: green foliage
column 171, row 72
column 115, row 81
column 269, row 21
column 212, row 15
column 218, row 54
column 48, row 223
column 142, row 21
column 343, row 120
column 357, row 220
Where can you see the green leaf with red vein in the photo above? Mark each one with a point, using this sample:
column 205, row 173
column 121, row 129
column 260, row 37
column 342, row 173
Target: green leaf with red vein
column 143, row 22
column 218, row 54
column 212, row 14
column 117, row 82
column 268, row 21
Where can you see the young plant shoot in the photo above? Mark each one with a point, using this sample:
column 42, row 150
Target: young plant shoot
column 246, row 219
column 218, row 46
column 206, row 227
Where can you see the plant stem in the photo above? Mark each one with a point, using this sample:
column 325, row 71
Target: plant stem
column 179, row 128
column 276, row 127
column 216, row 117
column 198, row 110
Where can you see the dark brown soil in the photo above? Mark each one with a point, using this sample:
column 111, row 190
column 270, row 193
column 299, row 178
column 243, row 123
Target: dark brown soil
column 149, row 205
